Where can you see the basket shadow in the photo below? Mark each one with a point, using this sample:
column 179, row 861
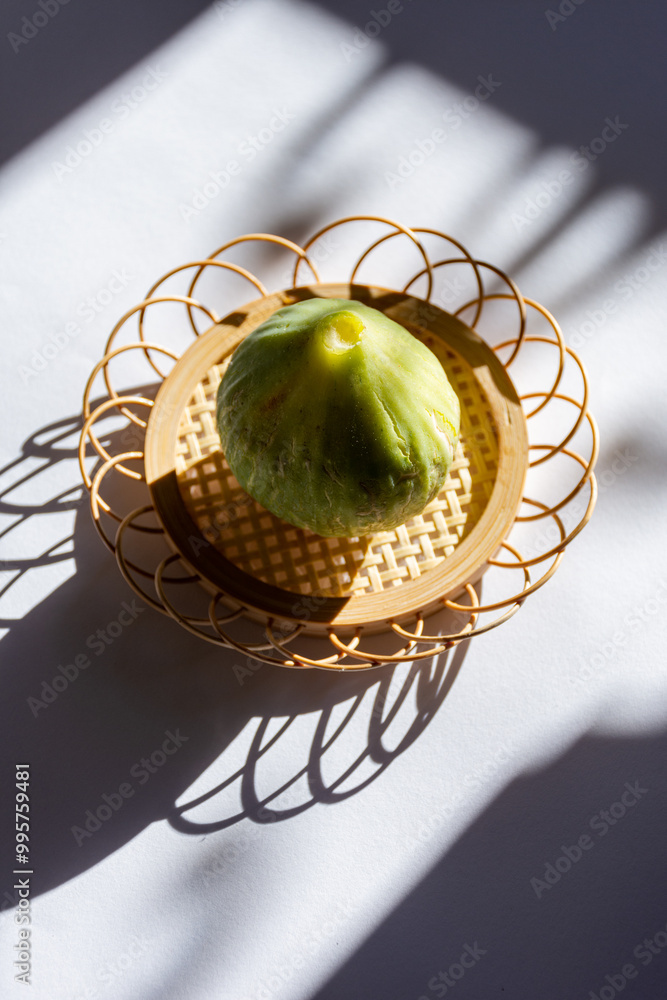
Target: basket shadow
column 118, row 711
column 430, row 683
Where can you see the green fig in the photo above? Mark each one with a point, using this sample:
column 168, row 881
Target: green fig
column 337, row 419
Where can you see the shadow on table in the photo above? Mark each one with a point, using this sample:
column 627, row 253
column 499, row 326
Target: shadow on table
column 72, row 52
column 118, row 710
column 559, row 77
column 542, row 67
column 522, row 907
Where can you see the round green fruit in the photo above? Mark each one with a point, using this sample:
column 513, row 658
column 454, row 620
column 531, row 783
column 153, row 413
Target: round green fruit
column 337, row 419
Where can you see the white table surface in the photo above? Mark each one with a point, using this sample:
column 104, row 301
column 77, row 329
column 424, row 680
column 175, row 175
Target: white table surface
column 373, row 885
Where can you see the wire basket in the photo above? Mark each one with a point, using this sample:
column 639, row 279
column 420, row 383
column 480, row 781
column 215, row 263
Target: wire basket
column 249, row 565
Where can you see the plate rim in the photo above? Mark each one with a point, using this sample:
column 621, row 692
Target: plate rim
column 219, row 574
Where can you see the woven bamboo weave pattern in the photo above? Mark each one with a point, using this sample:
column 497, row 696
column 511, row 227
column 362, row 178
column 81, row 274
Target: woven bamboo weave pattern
column 298, row 560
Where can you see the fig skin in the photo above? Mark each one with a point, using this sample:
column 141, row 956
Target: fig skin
column 335, row 418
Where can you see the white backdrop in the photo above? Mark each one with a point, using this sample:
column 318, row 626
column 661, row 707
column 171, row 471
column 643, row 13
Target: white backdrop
column 387, row 858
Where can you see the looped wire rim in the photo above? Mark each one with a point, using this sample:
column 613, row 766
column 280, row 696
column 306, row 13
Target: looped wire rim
column 347, row 654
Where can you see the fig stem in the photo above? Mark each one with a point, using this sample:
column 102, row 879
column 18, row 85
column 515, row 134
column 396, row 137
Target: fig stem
column 340, row 331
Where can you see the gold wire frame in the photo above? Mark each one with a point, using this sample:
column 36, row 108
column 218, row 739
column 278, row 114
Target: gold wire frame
column 283, row 626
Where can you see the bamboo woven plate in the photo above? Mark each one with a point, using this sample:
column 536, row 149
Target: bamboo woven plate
column 255, row 566
column 264, row 562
